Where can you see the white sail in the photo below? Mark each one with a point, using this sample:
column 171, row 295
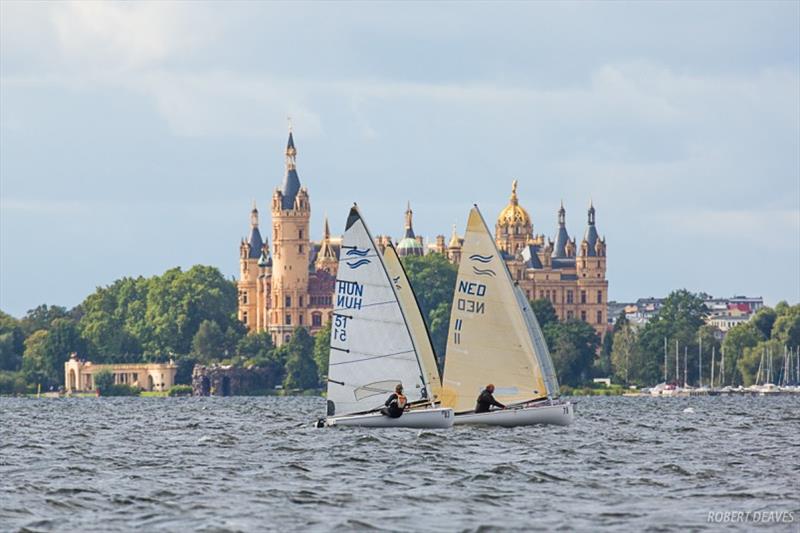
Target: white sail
column 539, row 345
column 413, row 314
column 491, row 337
column 372, row 349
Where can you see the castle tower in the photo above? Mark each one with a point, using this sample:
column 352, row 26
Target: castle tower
column 454, row 247
column 410, row 244
column 251, row 298
column 562, row 237
column 514, row 228
column 327, row 259
column 591, row 267
column 291, row 214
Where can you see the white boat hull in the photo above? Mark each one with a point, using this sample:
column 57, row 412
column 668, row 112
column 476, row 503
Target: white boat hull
column 438, row 418
column 560, row 414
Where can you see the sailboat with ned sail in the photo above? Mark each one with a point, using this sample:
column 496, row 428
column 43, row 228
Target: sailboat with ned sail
column 372, row 347
column 495, row 337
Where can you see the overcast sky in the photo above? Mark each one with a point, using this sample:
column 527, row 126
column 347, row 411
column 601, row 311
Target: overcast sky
column 135, row 136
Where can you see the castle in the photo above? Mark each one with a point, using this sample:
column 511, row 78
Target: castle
column 292, row 283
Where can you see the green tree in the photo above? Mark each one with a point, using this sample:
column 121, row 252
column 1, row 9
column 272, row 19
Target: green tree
column 544, row 311
column 301, row 369
column 103, row 382
column 739, row 338
column 12, row 342
column 209, row 343
column 256, row 349
column 41, row 317
column 625, row 355
column 433, row 278
column 763, row 320
column 786, row 329
column 35, row 365
column 322, row 348
column 573, row 348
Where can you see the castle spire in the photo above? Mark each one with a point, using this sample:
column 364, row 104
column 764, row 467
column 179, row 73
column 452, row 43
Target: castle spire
column 562, row 236
column 591, row 236
column 514, row 200
column 291, row 182
column 409, row 223
column 254, row 240
column 326, row 233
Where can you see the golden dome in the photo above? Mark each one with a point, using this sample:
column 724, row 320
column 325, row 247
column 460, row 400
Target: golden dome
column 513, row 213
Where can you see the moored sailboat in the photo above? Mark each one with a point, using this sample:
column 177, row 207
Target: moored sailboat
column 495, row 337
column 372, row 348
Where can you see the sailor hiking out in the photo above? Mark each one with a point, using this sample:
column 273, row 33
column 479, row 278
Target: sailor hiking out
column 396, row 403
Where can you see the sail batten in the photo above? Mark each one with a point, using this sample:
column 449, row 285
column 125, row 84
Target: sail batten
column 372, row 349
column 493, row 333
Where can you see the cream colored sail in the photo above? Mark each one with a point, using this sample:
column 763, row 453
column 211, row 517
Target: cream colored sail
column 490, row 339
column 413, row 314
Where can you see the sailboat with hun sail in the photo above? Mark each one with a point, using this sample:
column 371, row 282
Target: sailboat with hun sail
column 372, row 348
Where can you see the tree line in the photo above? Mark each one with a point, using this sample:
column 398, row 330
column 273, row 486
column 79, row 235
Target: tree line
column 191, row 317
column 635, row 355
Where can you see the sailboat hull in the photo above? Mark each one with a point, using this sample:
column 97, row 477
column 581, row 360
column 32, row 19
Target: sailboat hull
column 561, row 414
column 438, row 418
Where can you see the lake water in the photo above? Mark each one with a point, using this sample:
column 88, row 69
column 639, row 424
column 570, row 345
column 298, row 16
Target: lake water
column 228, row 464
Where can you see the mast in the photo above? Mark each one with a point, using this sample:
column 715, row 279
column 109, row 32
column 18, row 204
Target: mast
column 665, row 360
column 700, row 362
column 685, row 367
column 722, row 366
column 713, row 355
column 677, row 364
column 760, row 364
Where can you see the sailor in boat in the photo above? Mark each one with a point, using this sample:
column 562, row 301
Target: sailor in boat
column 486, row 400
column 396, row 403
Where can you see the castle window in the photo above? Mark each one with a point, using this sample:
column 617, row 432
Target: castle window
column 570, row 315
column 244, row 298
column 300, row 233
column 548, row 294
column 583, row 316
column 316, row 319
column 301, row 319
column 583, row 297
column 598, row 264
column 599, row 297
column 599, row 317
column 301, row 301
column 244, row 317
column 287, row 338
column 570, row 297
column 288, row 321
column 288, row 301
column 299, row 248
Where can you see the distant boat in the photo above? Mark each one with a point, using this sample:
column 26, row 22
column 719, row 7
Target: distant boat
column 372, row 348
column 494, row 338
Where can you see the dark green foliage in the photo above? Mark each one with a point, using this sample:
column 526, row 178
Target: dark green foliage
column 544, row 311
column 12, row 383
column 103, row 381
column 322, row 345
column 763, row 320
column 209, row 343
column 301, row 369
column 433, row 278
column 573, row 345
column 12, row 342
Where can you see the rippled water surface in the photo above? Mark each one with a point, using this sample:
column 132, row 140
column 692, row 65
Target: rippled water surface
column 255, row 463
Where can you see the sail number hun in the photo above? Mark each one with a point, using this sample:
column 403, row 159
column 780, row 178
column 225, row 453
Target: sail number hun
column 340, row 327
column 471, row 302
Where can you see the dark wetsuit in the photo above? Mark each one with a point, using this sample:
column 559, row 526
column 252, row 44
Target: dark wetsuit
column 486, row 401
column 392, row 409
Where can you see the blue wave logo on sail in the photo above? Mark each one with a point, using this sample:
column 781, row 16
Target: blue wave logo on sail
column 483, row 271
column 481, row 258
column 359, row 263
column 359, row 253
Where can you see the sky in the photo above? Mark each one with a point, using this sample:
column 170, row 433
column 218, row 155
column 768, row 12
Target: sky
column 134, row 137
